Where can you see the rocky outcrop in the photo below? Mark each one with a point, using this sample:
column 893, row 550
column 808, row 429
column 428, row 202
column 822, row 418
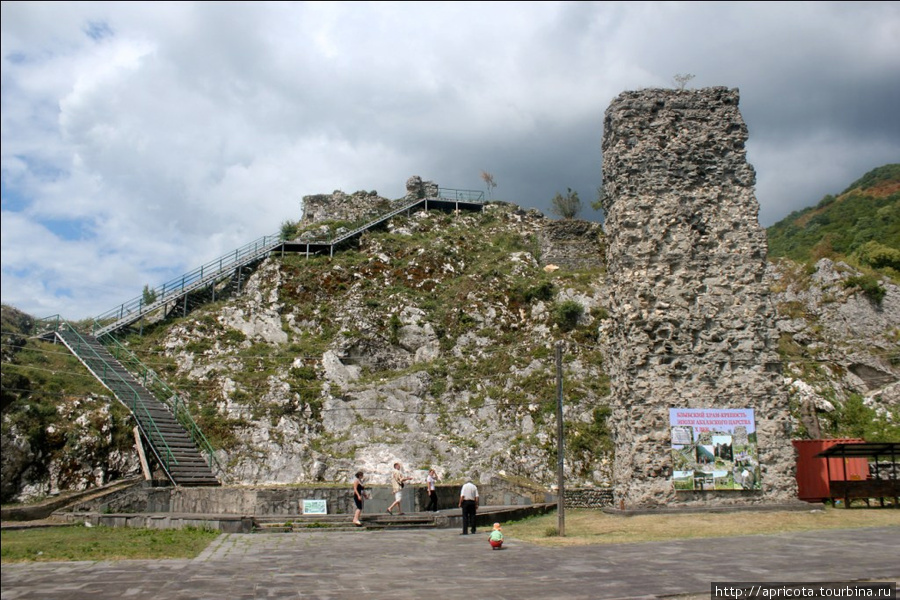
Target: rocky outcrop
column 417, row 188
column 691, row 324
column 339, row 206
column 573, row 244
column 842, row 341
column 431, row 345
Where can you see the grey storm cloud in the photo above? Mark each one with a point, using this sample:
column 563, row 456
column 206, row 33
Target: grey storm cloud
column 140, row 140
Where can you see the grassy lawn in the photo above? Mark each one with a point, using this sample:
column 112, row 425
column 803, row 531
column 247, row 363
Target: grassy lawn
column 594, row 527
column 101, row 543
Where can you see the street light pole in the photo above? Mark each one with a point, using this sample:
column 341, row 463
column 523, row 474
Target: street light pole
column 560, row 446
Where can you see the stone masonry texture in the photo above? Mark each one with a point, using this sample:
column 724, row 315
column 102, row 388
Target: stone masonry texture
column 691, row 323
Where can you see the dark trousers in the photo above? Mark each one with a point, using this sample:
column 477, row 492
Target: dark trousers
column 469, row 509
column 432, row 501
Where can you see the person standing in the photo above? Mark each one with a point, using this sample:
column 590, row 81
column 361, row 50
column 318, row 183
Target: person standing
column 398, row 481
column 359, row 495
column 430, row 482
column 468, row 502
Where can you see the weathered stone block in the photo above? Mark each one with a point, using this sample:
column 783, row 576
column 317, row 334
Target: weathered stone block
column 691, row 324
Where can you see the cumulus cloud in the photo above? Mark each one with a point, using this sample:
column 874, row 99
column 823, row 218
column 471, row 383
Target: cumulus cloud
column 140, row 140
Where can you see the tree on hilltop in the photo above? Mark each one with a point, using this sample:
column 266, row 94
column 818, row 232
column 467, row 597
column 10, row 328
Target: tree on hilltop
column 567, row 206
column 489, row 182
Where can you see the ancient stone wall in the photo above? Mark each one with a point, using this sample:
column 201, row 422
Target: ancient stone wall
column 589, row 497
column 358, row 206
column 339, row 206
column 572, row 244
column 417, row 188
column 691, row 325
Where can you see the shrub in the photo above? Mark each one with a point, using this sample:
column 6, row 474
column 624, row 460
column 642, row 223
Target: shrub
column 879, row 256
column 567, row 206
column 869, row 286
column 395, row 325
column 566, row 314
column 289, row 230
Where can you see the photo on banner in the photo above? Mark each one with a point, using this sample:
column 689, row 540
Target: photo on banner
column 714, row 449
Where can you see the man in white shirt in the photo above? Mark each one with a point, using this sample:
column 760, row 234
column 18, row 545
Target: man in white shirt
column 398, row 482
column 468, row 502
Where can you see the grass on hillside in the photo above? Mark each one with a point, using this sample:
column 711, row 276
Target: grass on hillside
column 594, row 527
column 71, row 543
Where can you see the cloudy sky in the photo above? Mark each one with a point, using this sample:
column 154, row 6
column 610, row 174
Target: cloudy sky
column 141, row 140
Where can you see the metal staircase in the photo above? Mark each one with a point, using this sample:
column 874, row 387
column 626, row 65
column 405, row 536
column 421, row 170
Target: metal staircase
column 162, row 418
column 169, row 439
column 232, row 266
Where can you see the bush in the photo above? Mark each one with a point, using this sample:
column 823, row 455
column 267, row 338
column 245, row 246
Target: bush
column 567, row 206
column 879, row 256
column 149, row 296
column 566, row 314
column 289, row 230
column 869, row 286
column 542, row 290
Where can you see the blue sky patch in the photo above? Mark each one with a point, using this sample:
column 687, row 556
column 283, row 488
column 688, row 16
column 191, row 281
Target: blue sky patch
column 98, row 30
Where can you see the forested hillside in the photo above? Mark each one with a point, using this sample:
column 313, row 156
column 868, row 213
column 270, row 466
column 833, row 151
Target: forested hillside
column 860, row 225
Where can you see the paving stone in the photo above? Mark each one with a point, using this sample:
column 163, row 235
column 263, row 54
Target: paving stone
column 441, row 564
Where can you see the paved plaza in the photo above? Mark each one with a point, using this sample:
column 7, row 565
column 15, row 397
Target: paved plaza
column 441, row 564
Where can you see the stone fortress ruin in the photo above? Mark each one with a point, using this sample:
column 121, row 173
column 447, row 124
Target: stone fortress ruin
column 691, row 327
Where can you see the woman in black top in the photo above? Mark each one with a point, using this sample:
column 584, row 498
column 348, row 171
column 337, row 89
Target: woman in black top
column 359, row 493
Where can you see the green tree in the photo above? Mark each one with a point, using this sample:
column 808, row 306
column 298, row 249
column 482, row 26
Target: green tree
column 288, row 230
column 879, row 256
column 149, row 296
column 601, row 195
column 567, row 206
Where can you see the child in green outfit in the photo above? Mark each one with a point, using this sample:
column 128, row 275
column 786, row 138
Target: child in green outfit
column 496, row 537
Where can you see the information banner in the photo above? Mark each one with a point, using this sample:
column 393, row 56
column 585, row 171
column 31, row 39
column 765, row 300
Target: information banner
column 714, row 449
column 314, row 507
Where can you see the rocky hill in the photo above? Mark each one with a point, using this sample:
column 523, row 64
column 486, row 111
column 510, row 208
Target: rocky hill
column 432, row 343
column 834, row 269
column 861, row 224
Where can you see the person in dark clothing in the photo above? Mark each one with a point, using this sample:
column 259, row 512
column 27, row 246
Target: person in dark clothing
column 468, row 502
column 430, row 482
column 359, row 496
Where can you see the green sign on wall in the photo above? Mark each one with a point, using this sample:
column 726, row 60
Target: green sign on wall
column 314, row 507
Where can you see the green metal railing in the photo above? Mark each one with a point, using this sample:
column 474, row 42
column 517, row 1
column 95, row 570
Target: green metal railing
column 107, row 374
column 162, row 392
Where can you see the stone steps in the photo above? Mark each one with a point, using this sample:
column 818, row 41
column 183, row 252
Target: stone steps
column 287, row 524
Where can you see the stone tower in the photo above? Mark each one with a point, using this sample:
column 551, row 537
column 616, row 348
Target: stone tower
column 690, row 322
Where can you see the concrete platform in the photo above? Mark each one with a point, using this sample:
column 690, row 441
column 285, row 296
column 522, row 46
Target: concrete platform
column 441, row 564
column 236, row 523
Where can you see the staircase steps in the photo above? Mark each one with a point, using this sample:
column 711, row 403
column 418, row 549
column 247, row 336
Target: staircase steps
column 169, row 441
column 295, row 523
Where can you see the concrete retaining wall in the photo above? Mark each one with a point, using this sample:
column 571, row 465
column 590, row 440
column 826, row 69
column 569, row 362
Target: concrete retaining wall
column 257, row 501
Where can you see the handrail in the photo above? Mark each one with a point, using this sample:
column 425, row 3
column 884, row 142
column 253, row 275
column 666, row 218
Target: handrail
column 377, row 220
column 164, row 394
column 199, row 277
column 473, row 196
column 169, row 458
column 157, row 298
